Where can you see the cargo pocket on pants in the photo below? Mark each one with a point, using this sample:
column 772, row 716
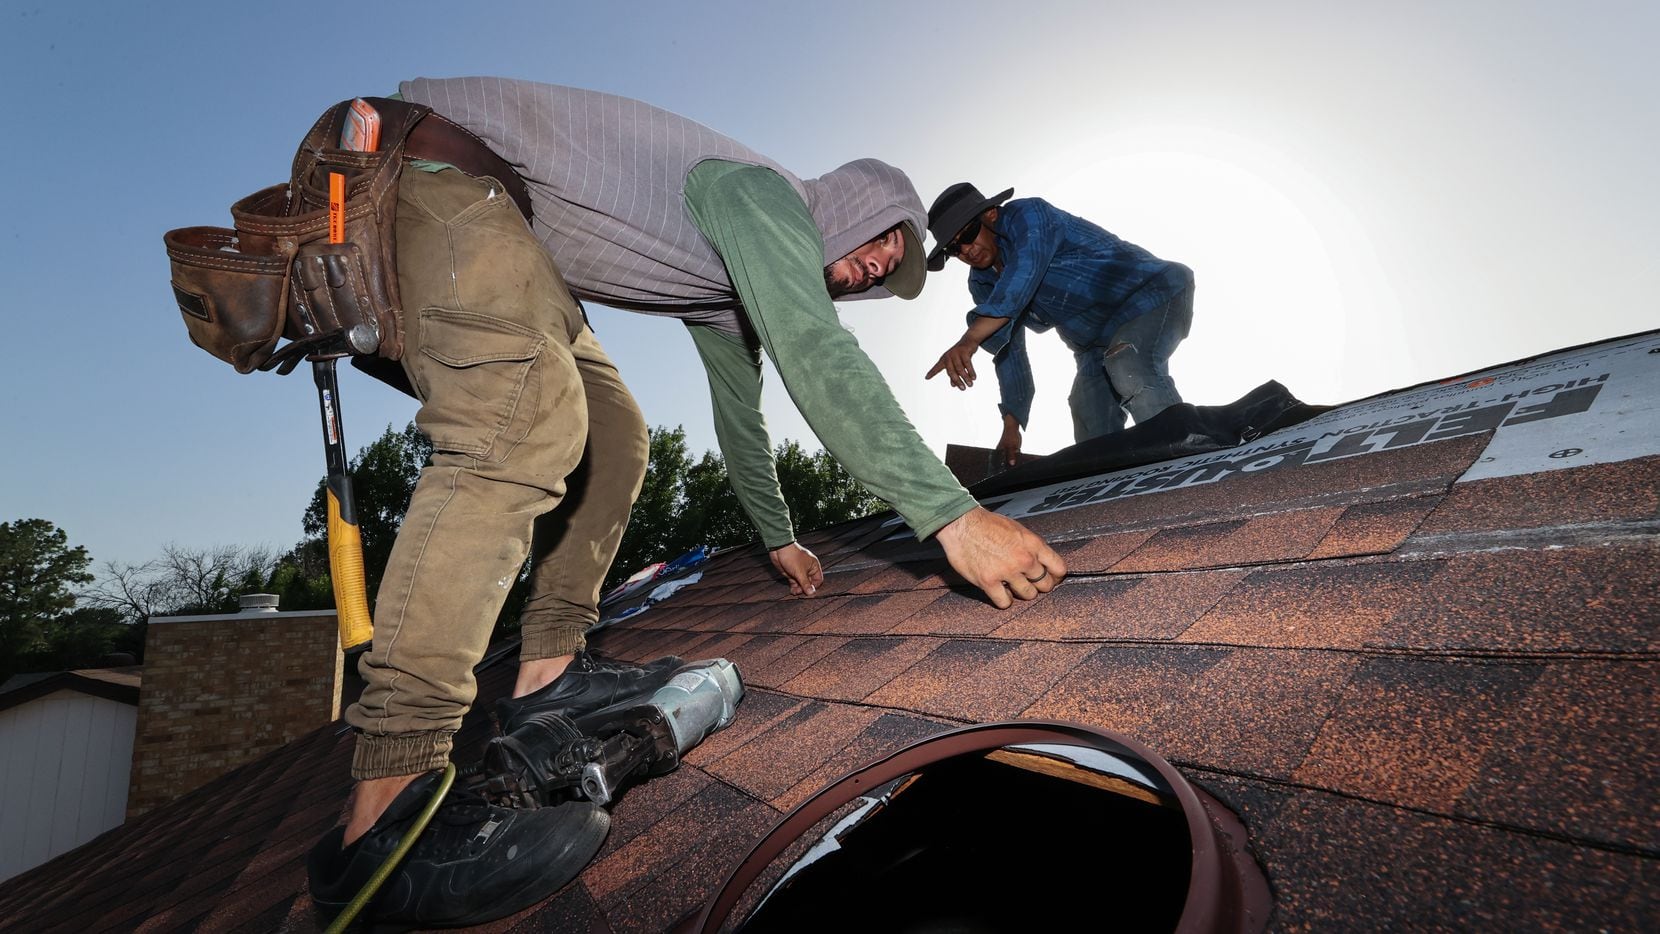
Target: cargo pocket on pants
column 478, row 381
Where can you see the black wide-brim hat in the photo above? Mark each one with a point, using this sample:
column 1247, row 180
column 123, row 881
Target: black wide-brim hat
column 954, row 209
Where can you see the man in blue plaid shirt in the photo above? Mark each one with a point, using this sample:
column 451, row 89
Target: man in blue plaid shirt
column 1118, row 308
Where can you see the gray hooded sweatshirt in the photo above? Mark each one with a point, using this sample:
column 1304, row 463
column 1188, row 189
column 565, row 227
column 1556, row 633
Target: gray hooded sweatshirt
column 647, row 210
column 607, row 178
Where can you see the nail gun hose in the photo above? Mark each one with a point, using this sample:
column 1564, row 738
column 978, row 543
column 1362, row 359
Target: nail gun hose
column 351, row 600
column 405, row 843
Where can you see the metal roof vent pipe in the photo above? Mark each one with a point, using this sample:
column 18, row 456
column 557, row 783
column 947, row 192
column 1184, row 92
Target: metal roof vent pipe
column 1029, row 825
column 258, row 602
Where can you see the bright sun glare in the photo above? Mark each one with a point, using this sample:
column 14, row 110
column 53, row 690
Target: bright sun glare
column 1284, row 276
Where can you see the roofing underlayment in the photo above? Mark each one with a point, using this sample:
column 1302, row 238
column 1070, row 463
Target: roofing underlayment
column 1411, row 642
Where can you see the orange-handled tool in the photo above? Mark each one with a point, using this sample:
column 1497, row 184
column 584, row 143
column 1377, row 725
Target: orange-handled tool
column 337, row 208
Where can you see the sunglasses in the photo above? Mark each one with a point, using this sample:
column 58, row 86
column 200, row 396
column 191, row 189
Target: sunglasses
column 964, row 237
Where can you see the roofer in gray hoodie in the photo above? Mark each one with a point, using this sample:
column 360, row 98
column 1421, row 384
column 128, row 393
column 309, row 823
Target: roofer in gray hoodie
column 641, row 209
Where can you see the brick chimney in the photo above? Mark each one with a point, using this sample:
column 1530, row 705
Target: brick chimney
column 220, row 691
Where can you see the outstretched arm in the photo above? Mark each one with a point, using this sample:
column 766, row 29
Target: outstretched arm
column 958, row 359
column 774, row 256
column 1008, row 445
column 734, row 368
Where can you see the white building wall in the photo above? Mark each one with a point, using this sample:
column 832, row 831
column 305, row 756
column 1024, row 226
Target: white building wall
column 65, row 762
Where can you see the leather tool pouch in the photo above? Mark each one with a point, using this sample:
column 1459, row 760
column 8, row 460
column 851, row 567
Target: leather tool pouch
column 277, row 275
column 232, row 302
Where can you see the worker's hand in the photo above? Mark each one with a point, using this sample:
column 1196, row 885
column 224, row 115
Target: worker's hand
column 958, row 364
column 800, row 566
column 1008, row 448
column 1000, row 556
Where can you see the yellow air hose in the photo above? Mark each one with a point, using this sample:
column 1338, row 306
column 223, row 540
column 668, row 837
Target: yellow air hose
column 365, row 894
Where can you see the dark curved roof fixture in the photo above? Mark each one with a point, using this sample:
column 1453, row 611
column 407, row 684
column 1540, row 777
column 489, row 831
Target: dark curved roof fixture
column 1007, row 826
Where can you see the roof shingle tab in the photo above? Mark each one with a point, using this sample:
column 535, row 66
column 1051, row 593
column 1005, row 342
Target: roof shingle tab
column 1375, row 528
column 772, row 763
column 1363, row 478
column 1414, row 731
column 1334, row 860
column 1134, row 608
column 1519, row 601
column 1576, row 756
column 1326, row 605
column 980, row 681
column 858, row 667
column 1280, row 536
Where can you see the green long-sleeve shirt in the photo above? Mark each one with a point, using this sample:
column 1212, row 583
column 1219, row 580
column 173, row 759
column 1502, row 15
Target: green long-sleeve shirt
column 774, row 256
column 734, row 367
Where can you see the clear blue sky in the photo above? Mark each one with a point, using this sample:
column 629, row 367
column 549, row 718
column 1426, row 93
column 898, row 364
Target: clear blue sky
column 1370, row 199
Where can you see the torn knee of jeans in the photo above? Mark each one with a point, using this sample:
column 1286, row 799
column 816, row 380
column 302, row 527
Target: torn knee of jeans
column 1119, row 348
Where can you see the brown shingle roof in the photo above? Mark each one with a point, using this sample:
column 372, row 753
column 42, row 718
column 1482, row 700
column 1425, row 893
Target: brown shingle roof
column 1433, row 703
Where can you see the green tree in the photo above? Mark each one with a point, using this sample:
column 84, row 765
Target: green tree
column 383, row 478
column 711, row 514
column 819, row 490
column 654, row 525
column 685, row 504
column 38, row 571
column 84, row 637
column 301, row 577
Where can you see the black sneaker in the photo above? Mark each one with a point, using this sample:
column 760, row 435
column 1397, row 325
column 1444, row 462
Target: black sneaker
column 474, row 862
column 587, row 685
column 666, row 663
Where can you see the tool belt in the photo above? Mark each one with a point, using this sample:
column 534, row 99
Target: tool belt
column 276, row 275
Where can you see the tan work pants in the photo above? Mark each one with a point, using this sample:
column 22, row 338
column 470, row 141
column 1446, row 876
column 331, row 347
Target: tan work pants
column 526, row 414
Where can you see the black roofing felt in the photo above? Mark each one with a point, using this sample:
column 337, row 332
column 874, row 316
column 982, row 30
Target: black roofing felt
column 1178, row 431
column 1412, row 642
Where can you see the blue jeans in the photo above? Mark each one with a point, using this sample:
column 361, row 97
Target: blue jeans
column 1131, row 374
